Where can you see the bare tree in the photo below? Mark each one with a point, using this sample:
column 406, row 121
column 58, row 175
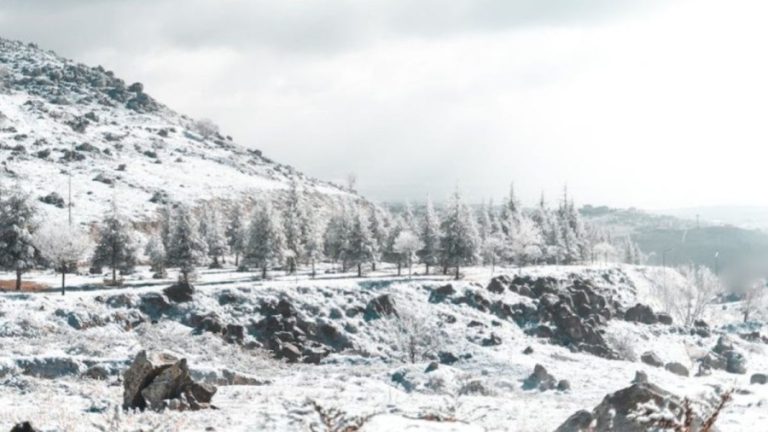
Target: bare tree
column 206, row 128
column 754, row 297
column 417, row 336
column 689, row 301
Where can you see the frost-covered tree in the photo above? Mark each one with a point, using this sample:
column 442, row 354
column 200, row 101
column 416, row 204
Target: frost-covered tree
column 406, row 244
column 295, row 221
column 429, row 234
column 360, row 245
column 313, row 242
column 62, row 247
column 165, row 216
column 409, row 221
column 391, row 255
column 510, row 212
column 266, row 240
column 215, row 239
column 492, row 250
column 115, row 247
column 187, row 249
column 689, row 301
column 572, row 233
column 460, row 242
column 377, row 223
column 605, row 251
column 17, row 227
column 236, row 232
column 206, row 128
column 155, row 251
column 525, row 245
column 336, row 236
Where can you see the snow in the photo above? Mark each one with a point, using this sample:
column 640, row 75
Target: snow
column 356, row 385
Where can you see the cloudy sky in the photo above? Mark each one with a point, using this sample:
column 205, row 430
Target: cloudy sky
column 654, row 104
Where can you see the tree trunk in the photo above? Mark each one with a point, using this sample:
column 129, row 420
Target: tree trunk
column 292, row 266
column 359, row 270
column 427, row 269
column 18, row 280
column 237, row 259
column 398, row 268
column 313, row 268
column 373, row 266
column 409, row 269
column 114, row 275
column 445, row 270
column 264, row 272
column 457, row 271
column 63, row 286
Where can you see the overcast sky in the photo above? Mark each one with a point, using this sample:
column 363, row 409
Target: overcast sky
column 654, row 104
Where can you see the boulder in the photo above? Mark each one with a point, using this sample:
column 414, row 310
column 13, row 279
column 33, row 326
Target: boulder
column 724, row 343
column 640, row 377
column 24, row 427
column 626, row 410
column 439, row 294
column 168, row 384
column 447, row 358
column 677, row 369
column 180, row 292
column 641, row 313
column 758, row 378
column 563, row 385
column 736, row 362
column 540, row 379
column 50, row 367
column 143, row 370
column 154, row 304
column 713, row 361
column 97, row 372
column 528, row 350
column 498, row 284
column 431, row 367
column 650, row 358
column 491, row 340
column 380, row 306
column 664, row 318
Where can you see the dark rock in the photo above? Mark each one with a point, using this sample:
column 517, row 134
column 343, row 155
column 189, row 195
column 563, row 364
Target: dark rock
column 641, row 313
column 154, row 304
column 143, row 370
column 563, row 385
column 447, row 358
column 380, row 306
column 168, row 384
column 492, row 340
column 289, row 352
column 431, row 367
column 758, row 378
column 440, row 294
column 53, row 199
column 234, row 333
column 528, row 350
column 202, row 392
column 724, row 343
column 664, row 318
column 50, row 367
column 97, row 372
column 540, row 379
column 498, row 284
column 579, row 421
column 677, row 369
column 650, row 358
column 24, row 427
column 736, row 362
column 180, row 292
column 714, row 361
column 228, row 297
column 640, row 377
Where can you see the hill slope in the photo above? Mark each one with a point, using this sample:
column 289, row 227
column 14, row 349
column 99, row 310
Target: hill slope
column 58, row 117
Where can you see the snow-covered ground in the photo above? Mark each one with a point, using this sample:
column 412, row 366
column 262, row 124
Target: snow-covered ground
column 371, row 383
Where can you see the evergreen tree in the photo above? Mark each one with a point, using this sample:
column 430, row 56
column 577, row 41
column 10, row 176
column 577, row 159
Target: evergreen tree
column 266, row 240
column 313, row 242
column 360, row 246
column 61, row 246
column 236, row 233
column 215, row 239
column 17, row 227
column 409, row 221
column 336, row 236
column 429, row 254
column 510, row 212
column 379, row 233
column 166, row 214
column 187, row 249
column 459, row 242
column 391, row 254
column 295, row 221
column 115, row 248
column 155, row 251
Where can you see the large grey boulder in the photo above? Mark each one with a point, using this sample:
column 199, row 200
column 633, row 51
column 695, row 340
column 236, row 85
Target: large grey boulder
column 144, row 369
column 540, row 379
column 652, row 359
column 677, row 369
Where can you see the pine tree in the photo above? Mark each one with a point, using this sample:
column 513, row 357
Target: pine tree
column 155, row 251
column 360, row 246
column 266, row 240
column 406, row 244
column 409, row 221
column 460, row 242
column 379, row 233
column 336, row 236
column 510, row 212
column 294, row 224
column 17, row 227
column 429, row 254
column 313, row 242
column 187, row 248
column 116, row 248
column 391, row 254
column 215, row 239
column 236, row 233
column 166, row 227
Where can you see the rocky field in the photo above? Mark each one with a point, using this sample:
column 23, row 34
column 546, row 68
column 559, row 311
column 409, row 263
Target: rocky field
column 532, row 350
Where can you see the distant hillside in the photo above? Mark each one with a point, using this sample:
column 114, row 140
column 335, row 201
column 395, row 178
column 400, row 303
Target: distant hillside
column 681, row 241
column 58, row 117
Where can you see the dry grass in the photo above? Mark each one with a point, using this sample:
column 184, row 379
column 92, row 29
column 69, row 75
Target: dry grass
column 10, row 285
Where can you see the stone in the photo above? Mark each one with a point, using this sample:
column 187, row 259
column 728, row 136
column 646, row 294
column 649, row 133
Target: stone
column 180, row 292
column 440, row 294
column 380, row 306
column 724, row 343
column 498, row 284
column 289, row 352
column 713, row 361
column 144, row 368
column 650, row 358
column 758, row 378
column 563, row 385
column 24, row 427
column 447, row 358
column 664, row 318
column 736, row 362
column 528, row 350
column 234, row 333
column 540, row 379
column 677, row 369
column 431, row 367
column 97, row 372
column 640, row 377
column 492, row 340
column 166, row 385
column 154, row 304
column 202, row 392
column 579, row 421
column 50, row 367
column 640, row 313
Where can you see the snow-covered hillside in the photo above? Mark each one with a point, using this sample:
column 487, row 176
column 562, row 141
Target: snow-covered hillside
column 379, row 354
column 59, row 117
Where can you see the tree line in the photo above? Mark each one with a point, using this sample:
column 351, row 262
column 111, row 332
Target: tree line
column 291, row 233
